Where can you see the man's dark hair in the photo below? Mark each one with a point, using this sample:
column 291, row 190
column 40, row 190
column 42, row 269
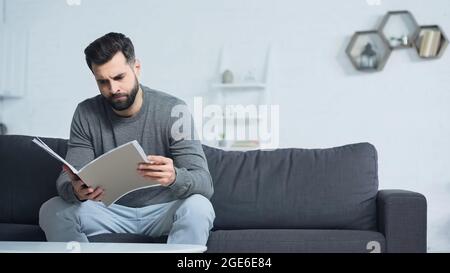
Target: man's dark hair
column 104, row 48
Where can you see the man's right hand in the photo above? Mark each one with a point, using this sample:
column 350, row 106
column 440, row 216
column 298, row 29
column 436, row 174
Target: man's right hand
column 81, row 190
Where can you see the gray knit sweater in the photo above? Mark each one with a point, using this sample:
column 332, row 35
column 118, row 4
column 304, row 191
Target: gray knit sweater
column 96, row 129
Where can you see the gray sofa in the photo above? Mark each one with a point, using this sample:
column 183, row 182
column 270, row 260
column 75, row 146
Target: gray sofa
column 285, row 200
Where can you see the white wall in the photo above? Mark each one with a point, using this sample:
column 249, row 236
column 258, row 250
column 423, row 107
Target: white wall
column 402, row 110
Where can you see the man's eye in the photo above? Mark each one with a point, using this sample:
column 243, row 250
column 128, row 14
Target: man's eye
column 102, row 82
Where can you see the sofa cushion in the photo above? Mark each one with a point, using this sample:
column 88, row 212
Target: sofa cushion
column 19, row 232
column 28, row 177
column 332, row 188
column 294, row 240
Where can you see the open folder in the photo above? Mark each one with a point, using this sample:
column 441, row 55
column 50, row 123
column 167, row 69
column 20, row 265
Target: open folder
column 114, row 171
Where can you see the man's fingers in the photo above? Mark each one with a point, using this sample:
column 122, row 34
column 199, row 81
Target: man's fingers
column 66, row 169
column 95, row 194
column 85, row 191
column 99, row 197
column 81, row 188
column 162, row 180
column 156, row 168
column 158, row 159
column 156, row 175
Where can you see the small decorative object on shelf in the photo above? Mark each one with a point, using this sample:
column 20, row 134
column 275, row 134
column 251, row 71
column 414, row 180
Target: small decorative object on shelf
column 368, row 51
column 430, row 42
column 395, row 42
column 250, row 76
column 399, row 28
column 227, row 76
column 368, row 58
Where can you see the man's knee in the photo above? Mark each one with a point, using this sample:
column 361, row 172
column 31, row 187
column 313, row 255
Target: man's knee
column 51, row 206
column 51, row 210
column 198, row 206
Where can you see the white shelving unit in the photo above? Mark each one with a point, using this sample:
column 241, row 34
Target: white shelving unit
column 248, row 81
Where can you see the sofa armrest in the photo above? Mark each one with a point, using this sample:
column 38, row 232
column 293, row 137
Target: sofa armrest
column 402, row 218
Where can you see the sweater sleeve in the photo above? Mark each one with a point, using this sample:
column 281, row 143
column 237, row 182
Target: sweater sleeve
column 79, row 152
column 191, row 167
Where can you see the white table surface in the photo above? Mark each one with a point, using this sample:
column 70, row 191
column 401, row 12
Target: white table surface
column 75, row 247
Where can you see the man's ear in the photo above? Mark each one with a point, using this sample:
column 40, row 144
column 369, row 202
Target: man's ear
column 137, row 67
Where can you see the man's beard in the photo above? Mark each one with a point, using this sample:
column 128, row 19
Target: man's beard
column 120, row 105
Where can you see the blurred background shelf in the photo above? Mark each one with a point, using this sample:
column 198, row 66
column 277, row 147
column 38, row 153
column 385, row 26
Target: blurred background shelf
column 399, row 29
column 241, row 80
column 430, row 42
column 368, row 51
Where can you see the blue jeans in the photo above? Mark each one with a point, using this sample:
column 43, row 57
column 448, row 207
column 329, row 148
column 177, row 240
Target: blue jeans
column 185, row 221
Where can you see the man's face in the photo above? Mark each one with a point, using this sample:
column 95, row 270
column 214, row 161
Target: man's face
column 118, row 81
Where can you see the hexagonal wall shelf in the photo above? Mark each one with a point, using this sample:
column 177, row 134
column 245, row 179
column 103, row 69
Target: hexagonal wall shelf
column 399, row 28
column 430, row 42
column 368, row 51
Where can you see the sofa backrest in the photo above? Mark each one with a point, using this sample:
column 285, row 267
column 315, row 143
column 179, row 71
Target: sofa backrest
column 285, row 188
column 332, row 188
column 27, row 177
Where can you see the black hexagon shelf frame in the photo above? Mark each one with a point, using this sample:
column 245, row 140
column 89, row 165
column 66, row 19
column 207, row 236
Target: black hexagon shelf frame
column 365, row 56
column 399, row 29
column 421, row 45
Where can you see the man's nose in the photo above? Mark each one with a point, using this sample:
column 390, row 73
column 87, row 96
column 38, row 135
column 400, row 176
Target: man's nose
column 114, row 88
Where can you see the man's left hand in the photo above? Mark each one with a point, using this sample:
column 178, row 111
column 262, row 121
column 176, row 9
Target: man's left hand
column 159, row 168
